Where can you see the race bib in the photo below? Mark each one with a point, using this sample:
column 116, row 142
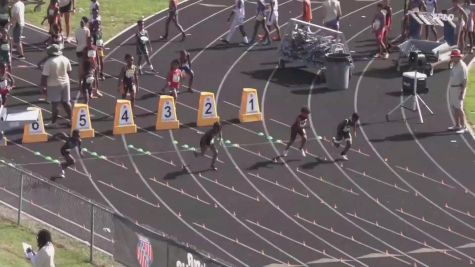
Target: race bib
column 100, row 42
column 91, row 53
column 3, row 84
column 176, row 78
column 51, row 12
column 129, row 73
column 5, row 47
column 90, row 79
column 143, row 39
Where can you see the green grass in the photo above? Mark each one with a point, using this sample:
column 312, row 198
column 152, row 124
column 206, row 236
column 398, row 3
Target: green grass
column 470, row 99
column 116, row 14
column 68, row 253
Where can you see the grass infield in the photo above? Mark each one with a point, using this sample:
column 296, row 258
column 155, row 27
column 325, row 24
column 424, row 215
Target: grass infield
column 116, row 14
column 469, row 103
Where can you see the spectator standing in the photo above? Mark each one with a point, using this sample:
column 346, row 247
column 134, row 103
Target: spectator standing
column 260, row 21
column 307, row 11
column 95, row 11
column 388, row 10
column 238, row 14
column 6, row 49
column 379, row 28
column 460, row 20
column 431, row 7
column 332, row 11
column 45, row 255
column 82, row 35
column 4, row 13
column 468, row 32
column 173, row 16
column 272, row 18
column 55, row 81
column 458, row 87
column 66, row 7
column 18, row 23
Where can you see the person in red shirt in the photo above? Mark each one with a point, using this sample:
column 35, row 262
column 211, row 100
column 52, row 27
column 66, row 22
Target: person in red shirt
column 173, row 16
column 307, row 11
column 174, row 78
column 298, row 128
column 389, row 22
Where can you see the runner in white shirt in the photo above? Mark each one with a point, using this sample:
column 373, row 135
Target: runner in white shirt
column 457, row 89
column 238, row 22
column 272, row 18
column 431, row 7
column 332, row 14
column 18, row 22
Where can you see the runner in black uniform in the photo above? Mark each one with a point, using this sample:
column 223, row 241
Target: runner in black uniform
column 343, row 133
column 209, row 139
column 71, row 142
column 298, row 128
column 128, row 80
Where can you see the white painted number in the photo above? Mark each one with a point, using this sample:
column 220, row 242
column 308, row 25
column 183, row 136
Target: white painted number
column 125, row 115
column 252, row 105
column 208, row 111
column 168, row 114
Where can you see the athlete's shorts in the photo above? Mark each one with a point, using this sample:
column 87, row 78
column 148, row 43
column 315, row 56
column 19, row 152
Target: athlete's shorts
column 340, row 136
column 238, row 21
column 130, row 89
column 142, row 50
column 333, row 24
column 295, row 131
column 5, row 57
column 100, row 51
column 273, row 19
column 60, row 93
column 67, row 8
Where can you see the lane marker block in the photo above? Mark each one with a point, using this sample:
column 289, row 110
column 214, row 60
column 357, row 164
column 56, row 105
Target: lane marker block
column 207, row 113
column 82, row 121
column 166, row 119
column 249, row 111
column 124, row 118
column 35, row 132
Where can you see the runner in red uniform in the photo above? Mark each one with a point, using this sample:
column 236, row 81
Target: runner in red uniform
column 298, row 128
column 174, row 78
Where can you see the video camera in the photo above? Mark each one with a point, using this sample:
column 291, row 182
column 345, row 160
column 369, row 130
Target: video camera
column 417, row 60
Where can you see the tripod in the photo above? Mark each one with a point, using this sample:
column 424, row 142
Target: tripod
column 416, row 99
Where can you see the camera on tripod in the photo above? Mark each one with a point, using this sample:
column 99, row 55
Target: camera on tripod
column 418, row 65
column 417, row 61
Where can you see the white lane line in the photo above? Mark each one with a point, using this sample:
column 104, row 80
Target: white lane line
column 331, row 230
column 176, row 214
column 237, row 242
column 181, row 191
column 320, row 179
column 423, row 219
column 466, row 213
column 399, row 234
column 276, row 183
column 363, row 132
column 136, row 196
column 440, row 182
column 363, row 174
column 229, row 188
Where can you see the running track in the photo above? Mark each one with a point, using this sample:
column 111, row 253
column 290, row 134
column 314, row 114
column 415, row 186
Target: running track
column 404, row 198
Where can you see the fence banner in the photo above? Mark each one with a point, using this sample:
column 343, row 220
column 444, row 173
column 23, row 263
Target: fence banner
column 137, row 246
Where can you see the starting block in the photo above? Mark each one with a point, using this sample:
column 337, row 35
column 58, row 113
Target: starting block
column 124, row 118
column 82, row 121
column 166, row 119
column 34, row 132
column 249, row 111
column 207, row 113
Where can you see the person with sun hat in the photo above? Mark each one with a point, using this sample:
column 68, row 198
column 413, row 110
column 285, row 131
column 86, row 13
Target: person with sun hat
column 457, row 89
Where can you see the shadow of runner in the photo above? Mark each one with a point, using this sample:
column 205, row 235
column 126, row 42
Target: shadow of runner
column 409, row 137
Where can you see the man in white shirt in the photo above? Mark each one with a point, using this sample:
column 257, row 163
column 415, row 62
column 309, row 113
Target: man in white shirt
column 82, row 35
column 238, row 22
column 45, row 255
column 18, row 23
column 55, row 81
column 457, row 89
column 332, row 14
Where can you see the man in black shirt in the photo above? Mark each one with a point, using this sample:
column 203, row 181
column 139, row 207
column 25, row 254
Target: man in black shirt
column 208, row 140
column 343, row 134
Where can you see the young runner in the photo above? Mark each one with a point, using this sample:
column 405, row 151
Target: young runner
column 298, row 128
column 73, row 142
column 378, row 27
column 66, row 7
column 272, row 18
column 209, row 141
column 431, row 7
column 5, row 49
column 95, row 8
column 343, row 133
column 90, row 81
column 173, row 16
column 388, row 10
column 6, row 84
column 186, row 70
column 307, row 11
column 174, row 79
column 56, row 37
column 261, row 21
column 143, row 42
column 238, row 14
column 128, row 80
column 52, row 15
column 96, row 33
